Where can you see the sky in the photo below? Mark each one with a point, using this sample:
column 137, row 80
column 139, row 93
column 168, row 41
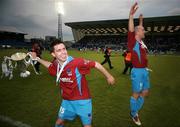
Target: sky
column 38, row 18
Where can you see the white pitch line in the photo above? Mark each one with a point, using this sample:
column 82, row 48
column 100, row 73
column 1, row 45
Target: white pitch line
column 13, row 122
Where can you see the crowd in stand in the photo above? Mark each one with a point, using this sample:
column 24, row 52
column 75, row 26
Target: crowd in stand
column 117, row 43
column 15, row 43
column 157, row 45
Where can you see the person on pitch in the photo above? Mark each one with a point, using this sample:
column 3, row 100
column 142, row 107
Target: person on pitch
column 139, row 73
column 107, row 55
column 127, row 61
column 36, row 47
column 70, row 76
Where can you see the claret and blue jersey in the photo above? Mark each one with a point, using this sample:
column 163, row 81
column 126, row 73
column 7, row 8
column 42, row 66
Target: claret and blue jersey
column 73, row 83
column 139, row 52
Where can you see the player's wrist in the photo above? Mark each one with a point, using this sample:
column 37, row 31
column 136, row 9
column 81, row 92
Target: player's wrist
column 131, row 15
column 37, row 58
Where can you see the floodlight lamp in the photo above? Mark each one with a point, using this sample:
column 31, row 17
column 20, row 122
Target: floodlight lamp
column 60, row 7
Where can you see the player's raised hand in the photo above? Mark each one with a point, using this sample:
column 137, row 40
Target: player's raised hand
column 141, row 17
column 141, row 20
column 134, row 9
column 111, row 80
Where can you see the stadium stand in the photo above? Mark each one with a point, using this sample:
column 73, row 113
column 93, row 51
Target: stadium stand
column 12, row 37
column 162, row 33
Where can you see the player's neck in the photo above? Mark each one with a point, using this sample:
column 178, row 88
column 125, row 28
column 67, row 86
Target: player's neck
column 138, row 38
column 61, row 62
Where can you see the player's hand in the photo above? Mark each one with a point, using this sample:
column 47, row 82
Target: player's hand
column 33, row 54
column 141, row 17
column 111, row 80
column 134, row 9
column 141, row 20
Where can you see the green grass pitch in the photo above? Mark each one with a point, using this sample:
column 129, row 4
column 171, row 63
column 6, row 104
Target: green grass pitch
column 35, row 100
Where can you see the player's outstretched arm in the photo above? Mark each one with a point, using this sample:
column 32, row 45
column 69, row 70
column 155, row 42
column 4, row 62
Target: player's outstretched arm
column 110, row 79
column 43, row 62
column 140, row 20
column 131, row 17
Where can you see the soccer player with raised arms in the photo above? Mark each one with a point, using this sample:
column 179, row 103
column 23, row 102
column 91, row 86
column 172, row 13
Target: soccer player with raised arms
column 70, row 76
column 139, row 73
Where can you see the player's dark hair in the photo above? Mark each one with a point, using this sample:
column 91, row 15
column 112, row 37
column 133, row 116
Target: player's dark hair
column 55, row 42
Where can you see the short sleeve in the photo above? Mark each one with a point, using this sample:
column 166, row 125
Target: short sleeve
column 131, row 40
column 53, row 68
column 84, row 66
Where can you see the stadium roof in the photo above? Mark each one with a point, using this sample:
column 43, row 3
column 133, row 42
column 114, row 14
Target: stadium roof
column 10, row 29
column 152, row 25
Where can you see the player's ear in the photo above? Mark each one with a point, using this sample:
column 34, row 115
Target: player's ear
column 52, row 53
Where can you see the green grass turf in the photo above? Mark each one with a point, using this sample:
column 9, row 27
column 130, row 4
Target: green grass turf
column 35, row 100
